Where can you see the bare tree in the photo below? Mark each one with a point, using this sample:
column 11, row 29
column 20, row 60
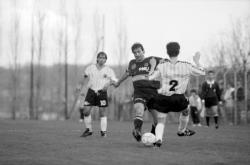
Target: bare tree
column 122, row 51
column 99, row 33
column 31, row 97
column 40, row 18
column 65, row 52
column 14, row 61
column 77, row 46
column 122, row 40
column 59, row 41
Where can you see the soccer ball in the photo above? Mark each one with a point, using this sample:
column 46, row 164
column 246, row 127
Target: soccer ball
column 148, row 139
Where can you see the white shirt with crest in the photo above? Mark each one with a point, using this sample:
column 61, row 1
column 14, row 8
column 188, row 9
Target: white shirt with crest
column 99, row 78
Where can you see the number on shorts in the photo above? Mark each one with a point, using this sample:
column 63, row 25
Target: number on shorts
column 103, row 102
column 173, row 84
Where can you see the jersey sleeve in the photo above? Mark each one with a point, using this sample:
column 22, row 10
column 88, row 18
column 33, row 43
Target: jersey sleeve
column 128, row 70
column 156, row 73
column 195, row 70
column 87, row 71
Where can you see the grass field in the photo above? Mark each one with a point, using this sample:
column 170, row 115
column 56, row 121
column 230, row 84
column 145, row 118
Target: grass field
column 58, row 143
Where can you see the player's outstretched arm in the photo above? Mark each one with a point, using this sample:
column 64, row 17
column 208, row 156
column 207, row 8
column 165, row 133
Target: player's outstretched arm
column 83, row 80
column 198, row 69
column 124, row 77
column 196, row 58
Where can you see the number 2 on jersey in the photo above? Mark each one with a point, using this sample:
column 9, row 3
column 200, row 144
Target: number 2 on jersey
column 173, row 84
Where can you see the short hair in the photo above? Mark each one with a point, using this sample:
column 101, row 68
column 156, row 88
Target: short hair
column 136, row 46
column 210, row 71
column 173, row 49
column 102, row 53
column 193, row 91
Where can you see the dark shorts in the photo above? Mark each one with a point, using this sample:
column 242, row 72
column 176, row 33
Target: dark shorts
column 99, row 99
column 211, row 101
column 145, row 96
column 173, row 103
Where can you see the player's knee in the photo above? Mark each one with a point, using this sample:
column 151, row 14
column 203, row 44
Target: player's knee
column 185, row 112
column 161, row 120
column 86, row 112
column 139, row 109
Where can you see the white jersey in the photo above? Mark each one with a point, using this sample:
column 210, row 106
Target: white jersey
column 175, row 77
column 99, row 78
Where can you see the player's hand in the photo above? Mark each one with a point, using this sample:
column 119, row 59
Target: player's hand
column 116, row 84
column 196, row 58
column 112, row 82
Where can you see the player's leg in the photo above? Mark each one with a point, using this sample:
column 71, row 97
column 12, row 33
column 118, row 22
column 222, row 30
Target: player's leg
column 88, row 103
column 207, row 114
column 192, row 113
column 81, row 109
column 159, row 130
column 155, row 120
column 103, row 105
column 216, row 115
column 87, row 121
column 183, row 122
column 138, row 120
column 103, row 120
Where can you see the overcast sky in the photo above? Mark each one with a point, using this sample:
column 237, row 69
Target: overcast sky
column 195, row 24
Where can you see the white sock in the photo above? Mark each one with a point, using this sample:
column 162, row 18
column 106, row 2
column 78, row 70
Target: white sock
column 87, row 122
column 159, row 130
column 103, row 123
column 183, row 122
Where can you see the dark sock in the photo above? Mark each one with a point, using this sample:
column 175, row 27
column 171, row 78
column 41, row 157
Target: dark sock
column 138, row 123
column 216, row 120
column 207, row 120
column 81, row 113
column 153, row 129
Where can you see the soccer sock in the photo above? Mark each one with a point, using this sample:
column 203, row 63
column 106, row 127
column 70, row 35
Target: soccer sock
column 207, row 120
column 183, row 121
column 87, row 122
column 216, row 120
column 103, row 123
column 153, row 128
column 138, row 122
column 81, row 113
column 159, row 131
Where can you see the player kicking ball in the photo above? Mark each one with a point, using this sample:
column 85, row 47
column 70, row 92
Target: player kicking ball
column 175, row 76
column 144, row 90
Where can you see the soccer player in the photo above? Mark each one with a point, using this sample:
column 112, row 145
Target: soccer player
column 175, row 76
column 99, row 78
column 211, row 97
column 144, row 89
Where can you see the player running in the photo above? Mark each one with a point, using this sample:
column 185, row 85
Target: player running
column 175, row 76
column 99, row 78
column 144, row 89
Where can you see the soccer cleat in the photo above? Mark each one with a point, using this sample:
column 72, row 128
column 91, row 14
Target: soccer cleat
column 86, row 133
column 199, row 125
column 187, row 132
column 158, row 143
column 137, row 135
column 103, row 134
column 216, row 126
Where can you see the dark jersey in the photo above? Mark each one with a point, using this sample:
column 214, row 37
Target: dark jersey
column 210, row 91
column 138, row 70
